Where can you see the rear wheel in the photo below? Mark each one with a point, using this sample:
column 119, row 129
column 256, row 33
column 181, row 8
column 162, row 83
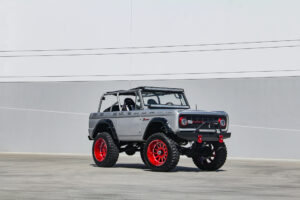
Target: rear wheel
column 211, row 157
column 105, row 151
column 161, row 153
column 142, row 154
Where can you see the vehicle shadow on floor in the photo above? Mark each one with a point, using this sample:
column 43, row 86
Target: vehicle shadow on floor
column 143, row 167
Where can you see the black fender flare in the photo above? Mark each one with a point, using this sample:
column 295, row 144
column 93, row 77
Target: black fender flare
column 110, row 126
column 164, row 124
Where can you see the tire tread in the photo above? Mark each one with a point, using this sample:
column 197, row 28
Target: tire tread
column 174, row 153
column 220, row 159
column 112, row 151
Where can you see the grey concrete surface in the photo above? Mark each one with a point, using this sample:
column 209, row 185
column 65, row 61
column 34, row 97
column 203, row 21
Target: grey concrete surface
column 32, row 176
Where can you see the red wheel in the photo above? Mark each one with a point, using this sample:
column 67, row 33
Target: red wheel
column 100, row 149
column 160, row 153
column 157, row 152
column 105, row 150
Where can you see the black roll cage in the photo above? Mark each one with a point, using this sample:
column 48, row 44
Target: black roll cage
column 138, row 92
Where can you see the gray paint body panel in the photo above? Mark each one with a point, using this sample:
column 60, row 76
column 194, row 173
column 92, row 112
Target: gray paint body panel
column 133, row 127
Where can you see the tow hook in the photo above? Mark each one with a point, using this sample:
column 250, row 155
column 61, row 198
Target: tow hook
column 199, row 139
column 221, row 138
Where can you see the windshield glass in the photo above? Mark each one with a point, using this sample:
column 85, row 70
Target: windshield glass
column 164, row 98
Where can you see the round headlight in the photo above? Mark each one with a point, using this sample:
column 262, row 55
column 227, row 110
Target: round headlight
column 222, row 122
column 183, row 121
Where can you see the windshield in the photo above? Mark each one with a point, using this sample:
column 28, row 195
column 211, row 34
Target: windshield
column 164, row 98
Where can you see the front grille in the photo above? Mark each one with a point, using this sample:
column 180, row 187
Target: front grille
column 207, row 121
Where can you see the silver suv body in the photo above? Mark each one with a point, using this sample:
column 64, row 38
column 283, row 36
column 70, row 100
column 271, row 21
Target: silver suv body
column 131, row 124
column 132, row 116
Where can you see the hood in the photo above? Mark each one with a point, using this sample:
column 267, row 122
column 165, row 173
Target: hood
column 202, row 112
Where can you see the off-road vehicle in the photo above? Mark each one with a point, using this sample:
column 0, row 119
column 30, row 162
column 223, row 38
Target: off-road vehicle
column 158, row 123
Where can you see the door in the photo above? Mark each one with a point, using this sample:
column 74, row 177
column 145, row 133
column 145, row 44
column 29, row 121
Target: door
column 129, row 118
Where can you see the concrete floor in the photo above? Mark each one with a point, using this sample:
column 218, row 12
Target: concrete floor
column 29, row 176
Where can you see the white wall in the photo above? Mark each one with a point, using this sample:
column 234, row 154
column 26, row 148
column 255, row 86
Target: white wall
column 54, row 24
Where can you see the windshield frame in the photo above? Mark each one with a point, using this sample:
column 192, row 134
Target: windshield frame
column 186, row 106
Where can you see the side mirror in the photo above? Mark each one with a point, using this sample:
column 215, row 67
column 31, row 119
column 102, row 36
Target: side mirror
column 103, row 98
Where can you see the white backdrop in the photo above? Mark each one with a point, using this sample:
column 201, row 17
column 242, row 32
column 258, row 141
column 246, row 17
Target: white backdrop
column 76, row 24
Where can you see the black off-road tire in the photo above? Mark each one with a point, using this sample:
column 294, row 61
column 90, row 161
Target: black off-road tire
column 172, row 156
column 142, row 154
column 112, row 152
column 218, row 161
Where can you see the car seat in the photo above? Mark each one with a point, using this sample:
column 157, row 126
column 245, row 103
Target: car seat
column 151, row 101
column 128, row 104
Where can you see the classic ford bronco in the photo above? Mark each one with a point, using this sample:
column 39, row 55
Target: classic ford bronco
column 158, row 123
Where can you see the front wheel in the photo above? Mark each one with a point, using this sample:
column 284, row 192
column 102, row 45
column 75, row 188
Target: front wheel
column 160, row 153
column 105, row 151
column 211, row 156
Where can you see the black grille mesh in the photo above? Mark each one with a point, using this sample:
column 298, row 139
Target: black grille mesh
column 208, row 121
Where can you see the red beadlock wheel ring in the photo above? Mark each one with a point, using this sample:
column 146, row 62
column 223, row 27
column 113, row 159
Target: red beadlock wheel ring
column 100, row 149
column 157, row 152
